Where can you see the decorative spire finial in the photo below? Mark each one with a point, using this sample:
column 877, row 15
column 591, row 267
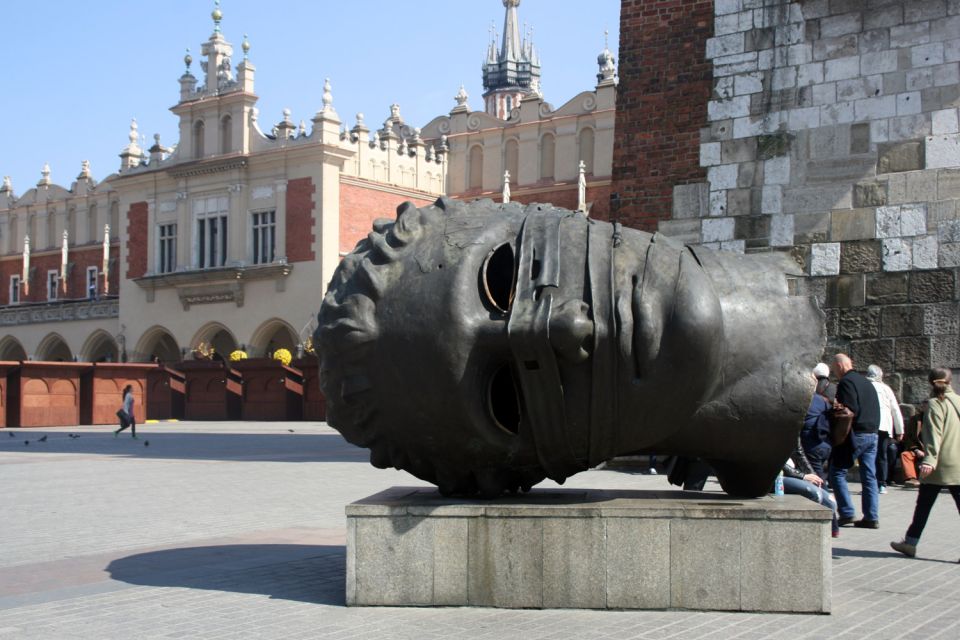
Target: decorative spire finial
column 134, row 134
column 245, row 46
column 327, row 96
column 7, row 185
column 84, row 170
column 506, row 187
column 582, row 187
column 217, row 16
column 187, row 61
column 45, row 175
column 461, row 96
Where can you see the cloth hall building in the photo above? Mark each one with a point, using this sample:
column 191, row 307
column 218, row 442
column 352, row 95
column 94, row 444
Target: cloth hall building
column 228, row 237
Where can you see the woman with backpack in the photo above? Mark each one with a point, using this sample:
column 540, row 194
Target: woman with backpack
column 815, row 435
column 940, row 466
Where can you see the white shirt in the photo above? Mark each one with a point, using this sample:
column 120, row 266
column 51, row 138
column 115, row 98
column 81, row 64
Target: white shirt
column 889, row 409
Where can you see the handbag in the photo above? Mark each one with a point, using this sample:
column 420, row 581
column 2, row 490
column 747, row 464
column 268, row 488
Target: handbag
column 841, row 422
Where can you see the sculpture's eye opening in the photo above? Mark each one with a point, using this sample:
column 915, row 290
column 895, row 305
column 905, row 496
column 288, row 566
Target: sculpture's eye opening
column 503, row 400
column 499, row 277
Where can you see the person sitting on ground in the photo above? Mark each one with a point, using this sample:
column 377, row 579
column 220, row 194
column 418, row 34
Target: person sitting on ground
column 912, row 454
column 890, row 432
column 800, row 479
column 815, row 434
column 940, row 468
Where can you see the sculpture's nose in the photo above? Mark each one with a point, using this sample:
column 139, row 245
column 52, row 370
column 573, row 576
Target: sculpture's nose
column 570, row 329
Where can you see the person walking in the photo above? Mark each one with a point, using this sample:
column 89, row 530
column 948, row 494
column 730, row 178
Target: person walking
column 857, row 394
column 940, row 468
column 126, row 413
column 890, row 432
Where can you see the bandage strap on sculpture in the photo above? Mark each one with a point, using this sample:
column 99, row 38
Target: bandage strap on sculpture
column 604, row 407
column 528, row 329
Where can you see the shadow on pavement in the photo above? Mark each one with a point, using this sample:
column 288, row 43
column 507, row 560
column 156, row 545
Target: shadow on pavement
column 152, row 442
column 304, row 573
column 839, row 552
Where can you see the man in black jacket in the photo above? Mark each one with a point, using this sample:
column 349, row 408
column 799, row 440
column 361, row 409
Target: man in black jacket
column 858, row 394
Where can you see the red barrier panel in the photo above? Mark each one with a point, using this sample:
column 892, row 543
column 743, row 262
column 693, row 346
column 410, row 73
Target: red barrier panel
column 271, row 391
column 102, row 387
column 7, row 367
column 314, row 404
column 214, row 390
column 46, row 394
column 166, row 393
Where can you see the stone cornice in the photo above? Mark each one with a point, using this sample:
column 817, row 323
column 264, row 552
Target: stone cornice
column 388, row 188
column 203, row 167
column 204, row 286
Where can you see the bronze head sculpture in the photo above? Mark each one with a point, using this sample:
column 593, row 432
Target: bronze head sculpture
column 484, row 347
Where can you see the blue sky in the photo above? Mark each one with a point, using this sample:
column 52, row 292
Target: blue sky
column 76, row 72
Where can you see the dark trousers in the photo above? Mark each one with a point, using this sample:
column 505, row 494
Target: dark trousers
column 887, row 454
column 818, row 456
column 127, row 422
column 927, row 496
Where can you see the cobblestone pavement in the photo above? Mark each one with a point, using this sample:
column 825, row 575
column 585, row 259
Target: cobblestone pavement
column 226, row 530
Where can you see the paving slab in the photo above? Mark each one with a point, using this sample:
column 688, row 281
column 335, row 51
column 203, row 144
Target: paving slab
column 237, row 530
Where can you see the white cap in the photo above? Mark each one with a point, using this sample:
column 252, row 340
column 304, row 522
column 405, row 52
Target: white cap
column 821, row 371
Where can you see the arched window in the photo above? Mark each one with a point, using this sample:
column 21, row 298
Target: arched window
column 226, row 134
column 93, row 221
column 475, row 167
column 52, row 239
column 114, row 220
column 198, row 139
column 548, row 153
column 511, row 159
column 586, row 149
column 71, row 224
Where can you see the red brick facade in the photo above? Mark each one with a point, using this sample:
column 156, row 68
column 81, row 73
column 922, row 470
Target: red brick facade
column 360, row 206
column 137, row 234
column 300, row 220
column 79, row 259
column 665, row 84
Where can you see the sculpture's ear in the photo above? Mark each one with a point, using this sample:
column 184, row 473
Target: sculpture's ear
column 406, row 206
column 443, row 203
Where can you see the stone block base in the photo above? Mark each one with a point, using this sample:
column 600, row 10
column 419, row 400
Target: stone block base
column 590, row 549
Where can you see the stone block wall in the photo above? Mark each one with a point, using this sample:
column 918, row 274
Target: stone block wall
column 832, row 133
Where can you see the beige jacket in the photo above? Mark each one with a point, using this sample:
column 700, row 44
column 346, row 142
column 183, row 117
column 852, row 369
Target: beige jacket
column 941, row 440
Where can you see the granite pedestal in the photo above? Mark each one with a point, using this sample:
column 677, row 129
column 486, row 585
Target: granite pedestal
column 590, row 549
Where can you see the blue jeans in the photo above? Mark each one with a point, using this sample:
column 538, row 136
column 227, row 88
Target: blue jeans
column 865, row 450
column 810, row 491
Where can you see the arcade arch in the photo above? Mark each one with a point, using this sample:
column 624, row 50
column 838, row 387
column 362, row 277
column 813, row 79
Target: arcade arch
column 11, row 349
column 272, row 335
column 217, row 336
column 53, row 348
column 157, row 344
column 100, row 347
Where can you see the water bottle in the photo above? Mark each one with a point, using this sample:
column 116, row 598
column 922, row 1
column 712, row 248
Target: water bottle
column 778, row 485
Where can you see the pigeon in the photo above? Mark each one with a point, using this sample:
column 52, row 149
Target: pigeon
column 146, row 443
column 10, row 433
column 26, row 442
column 290, row 430
column 43, row 439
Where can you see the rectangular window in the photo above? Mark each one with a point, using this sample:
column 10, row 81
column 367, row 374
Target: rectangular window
column 211, row 237
column 167, row 253
column 14, row 289
column 264, row 236
column 92, row 276
column 53, row 280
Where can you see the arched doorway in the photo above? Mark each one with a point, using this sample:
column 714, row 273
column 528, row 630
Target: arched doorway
column 217, row 336
column 11, row 349
column 157, row 345
column 272, row 335
column 100, row 347
column 54, row 348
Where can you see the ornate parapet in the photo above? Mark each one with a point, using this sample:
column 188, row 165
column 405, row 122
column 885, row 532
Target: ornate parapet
column 62, row 311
